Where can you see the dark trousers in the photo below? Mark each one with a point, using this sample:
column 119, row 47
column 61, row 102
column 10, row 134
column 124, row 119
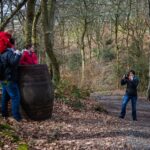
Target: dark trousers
column 10, row 90
column 125, row 101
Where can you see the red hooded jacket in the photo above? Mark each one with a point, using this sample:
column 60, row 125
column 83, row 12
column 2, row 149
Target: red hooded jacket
column 28, row 58
column 5, row 41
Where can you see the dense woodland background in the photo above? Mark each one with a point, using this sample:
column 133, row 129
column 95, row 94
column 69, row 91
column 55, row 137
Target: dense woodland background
column 86, row 43
column 88, row 46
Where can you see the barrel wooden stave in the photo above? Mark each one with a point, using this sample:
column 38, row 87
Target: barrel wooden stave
column 36, row 90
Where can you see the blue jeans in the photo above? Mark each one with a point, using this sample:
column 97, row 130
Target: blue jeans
column 125, row 101
column 10, row 90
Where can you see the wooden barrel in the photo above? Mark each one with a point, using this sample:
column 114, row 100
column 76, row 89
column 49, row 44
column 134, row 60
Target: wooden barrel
column 36, row 90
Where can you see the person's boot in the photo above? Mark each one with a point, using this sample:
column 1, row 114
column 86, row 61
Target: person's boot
column 122, row 117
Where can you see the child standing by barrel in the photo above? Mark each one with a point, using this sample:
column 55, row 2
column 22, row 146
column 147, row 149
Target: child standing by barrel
column 29, row 57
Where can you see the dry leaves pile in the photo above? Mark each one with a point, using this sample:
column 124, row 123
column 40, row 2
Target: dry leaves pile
column 86, row 129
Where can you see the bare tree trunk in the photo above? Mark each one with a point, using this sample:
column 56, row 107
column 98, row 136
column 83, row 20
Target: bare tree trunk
column 148, row 90
column 46, row 22
column 83, row 45
column 116, row 41
column 29, row 21
column 127, row 39
column 117, row 48
column 2, row 15
column 62, row 33
column 4, row 23
column 90, row 45
column 83, row 52
column 11, row 9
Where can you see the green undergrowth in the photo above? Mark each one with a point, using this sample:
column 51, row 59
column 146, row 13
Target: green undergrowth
column 23, row 147
column 71, row 95
column 8, row 136
column 100, row 109
column 75, row 97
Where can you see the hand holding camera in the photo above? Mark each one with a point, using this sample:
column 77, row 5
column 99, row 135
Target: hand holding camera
column 125, row 76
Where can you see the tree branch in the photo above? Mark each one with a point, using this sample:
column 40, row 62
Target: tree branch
column 3, row 25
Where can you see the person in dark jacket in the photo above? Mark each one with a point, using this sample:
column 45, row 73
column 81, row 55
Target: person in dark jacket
column 131, row 93
column 10, row 60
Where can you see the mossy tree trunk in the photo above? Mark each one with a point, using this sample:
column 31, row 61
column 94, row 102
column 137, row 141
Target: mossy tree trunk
column 34, row 29
column 29, row 21
column 48, row 10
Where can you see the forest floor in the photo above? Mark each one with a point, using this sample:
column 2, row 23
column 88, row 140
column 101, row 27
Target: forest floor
column 86, row 129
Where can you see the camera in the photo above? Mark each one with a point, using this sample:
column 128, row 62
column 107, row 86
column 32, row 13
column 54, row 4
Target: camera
column 126, row 76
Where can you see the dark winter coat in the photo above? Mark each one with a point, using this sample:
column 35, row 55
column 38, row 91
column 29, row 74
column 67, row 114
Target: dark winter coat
column 10, row 61
column 131, row 89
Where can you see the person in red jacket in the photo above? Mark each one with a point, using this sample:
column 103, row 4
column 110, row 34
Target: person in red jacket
column 29, row 57
column 5, row 41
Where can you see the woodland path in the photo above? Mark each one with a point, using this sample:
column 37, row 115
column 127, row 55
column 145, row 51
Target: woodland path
column 113, row 105
column 137, row 133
